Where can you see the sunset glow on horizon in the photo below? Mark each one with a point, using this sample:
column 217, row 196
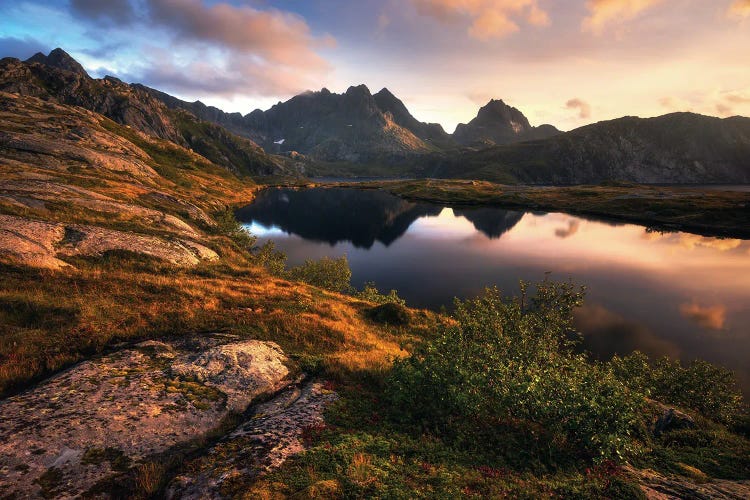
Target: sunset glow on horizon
column 564, row 63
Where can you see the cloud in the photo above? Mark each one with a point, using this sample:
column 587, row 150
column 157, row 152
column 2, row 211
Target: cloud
column 487, row 19
column 737, row 98
column 567, row 232
column 112, row 11
column 606, row 333
column 740, row 9
column 710, row 317
column 272, row 35
column 584, row 108
column 605, row 12
column 234, row 76
column 724, row 110
column 21, row 48
column 218, row 48
column 383, row 22
column 692, row 241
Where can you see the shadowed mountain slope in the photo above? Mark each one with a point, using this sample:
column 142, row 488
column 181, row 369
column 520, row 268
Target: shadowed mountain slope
column 59, row 77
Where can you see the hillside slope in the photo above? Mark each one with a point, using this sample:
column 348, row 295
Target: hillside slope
column 76, row 183
column 59, row 77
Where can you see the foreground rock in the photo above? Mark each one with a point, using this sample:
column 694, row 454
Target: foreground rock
column 41, row 244
column 263, row 443
column 106, row 416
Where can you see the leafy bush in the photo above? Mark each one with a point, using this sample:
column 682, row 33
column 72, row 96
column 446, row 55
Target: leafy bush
column 389, row 313
column 511, row 362
column 331, row 274
column 701, row 386
column 370, row 293
column 229, row 226
column 267, row 256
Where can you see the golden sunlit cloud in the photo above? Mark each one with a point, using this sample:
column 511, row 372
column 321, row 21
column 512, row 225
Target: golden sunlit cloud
column 710, row 317
column 605, row 12
column 584, row 108
column 740, row 9
column 691, row 241
column 488, row 18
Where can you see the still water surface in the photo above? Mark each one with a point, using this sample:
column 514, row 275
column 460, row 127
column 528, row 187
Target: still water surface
column 678, row 294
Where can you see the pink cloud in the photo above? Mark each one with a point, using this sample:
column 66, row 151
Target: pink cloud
column 710, row 317
column 584, row 108
column 603, row 13
column 487, row 19
column 740, row 9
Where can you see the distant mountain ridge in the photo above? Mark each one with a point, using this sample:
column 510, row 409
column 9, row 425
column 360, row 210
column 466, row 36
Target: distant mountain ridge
column 678, row 148
column 356, row 132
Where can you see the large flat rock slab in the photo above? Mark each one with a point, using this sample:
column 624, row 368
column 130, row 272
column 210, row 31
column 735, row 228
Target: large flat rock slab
column 105, row 416
column 273, row 433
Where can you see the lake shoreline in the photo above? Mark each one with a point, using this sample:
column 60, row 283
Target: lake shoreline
column 723, row 214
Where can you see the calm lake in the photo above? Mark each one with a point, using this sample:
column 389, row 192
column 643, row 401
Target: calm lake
column 679, row 294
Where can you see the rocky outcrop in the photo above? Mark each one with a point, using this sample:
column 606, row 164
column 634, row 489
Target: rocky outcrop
column 240, row 373
column 273, row 433
column 44, row 244
column 60, row 78
column 104, row 417
column 496, row 124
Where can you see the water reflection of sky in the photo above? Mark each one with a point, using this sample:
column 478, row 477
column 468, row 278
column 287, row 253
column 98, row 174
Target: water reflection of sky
column 677, row 293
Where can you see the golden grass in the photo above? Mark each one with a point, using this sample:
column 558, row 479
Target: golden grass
column 52, row 319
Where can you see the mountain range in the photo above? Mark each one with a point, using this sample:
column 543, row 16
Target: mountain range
column 361, row 132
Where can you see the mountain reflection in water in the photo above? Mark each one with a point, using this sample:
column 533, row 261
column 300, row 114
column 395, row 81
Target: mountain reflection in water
column 357, row 216
column 678, row 294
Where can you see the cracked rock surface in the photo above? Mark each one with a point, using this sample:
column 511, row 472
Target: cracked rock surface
column 273, row 433
column 107, row 415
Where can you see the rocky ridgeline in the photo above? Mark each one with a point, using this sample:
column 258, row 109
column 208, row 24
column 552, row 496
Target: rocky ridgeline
column 100, row 420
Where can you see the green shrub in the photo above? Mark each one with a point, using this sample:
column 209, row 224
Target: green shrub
column 700, row 386
column 331, row 274
column 389, row 313
column 370, row 293
column 267, row 256
column 229, row 226
column 506, row 362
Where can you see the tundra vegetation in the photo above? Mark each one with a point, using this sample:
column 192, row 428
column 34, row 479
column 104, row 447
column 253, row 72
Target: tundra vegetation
column 492, row 399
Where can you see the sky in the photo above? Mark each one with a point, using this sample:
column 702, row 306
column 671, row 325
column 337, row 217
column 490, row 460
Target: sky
column 564, row 62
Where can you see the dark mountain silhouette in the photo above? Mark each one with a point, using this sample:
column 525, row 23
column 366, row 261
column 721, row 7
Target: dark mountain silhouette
column 326, row 126
column 493, row 222
column 680, row 148
column 334, row 216
column 497, row 123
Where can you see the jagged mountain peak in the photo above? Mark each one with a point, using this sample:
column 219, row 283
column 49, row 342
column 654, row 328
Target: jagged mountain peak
column 59, row 59
column 360, row 91
column 499, row 123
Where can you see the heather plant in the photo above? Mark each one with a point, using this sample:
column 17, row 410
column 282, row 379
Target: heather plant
column 331, row 274
column 510, row 362
column 370, row 293
column 700, row 386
